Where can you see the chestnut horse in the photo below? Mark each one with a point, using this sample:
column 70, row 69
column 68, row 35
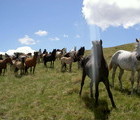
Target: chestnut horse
column 31, row 62
column 3, row 64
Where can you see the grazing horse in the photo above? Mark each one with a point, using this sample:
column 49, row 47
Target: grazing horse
column 3, row 64
column 129, row 61
column 66, row 60
column 31, row 62
column 96, row 68
column 50, row 58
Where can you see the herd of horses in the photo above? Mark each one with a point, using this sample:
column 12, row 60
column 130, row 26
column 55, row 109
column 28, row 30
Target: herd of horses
column 94, row 65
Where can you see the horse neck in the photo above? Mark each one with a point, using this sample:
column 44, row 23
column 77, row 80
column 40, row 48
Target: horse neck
column 6, row 61
column 53, row 54
column 34, row 57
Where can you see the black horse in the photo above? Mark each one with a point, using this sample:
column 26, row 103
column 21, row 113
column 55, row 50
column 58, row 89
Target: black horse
column 50, row 58
column 96, row 68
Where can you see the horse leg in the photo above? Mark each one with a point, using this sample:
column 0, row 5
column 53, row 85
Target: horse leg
column 120, row 77
column 30, row 69
column 34, row 69
column 26, row 69
column 70, row 67
column 4, row 72
column 106, row 83
column 0, row 71
column 82, row 82
column 138, row 80
column 132, row 80
column 96, row 92
column 91, row 88
column 113, row 75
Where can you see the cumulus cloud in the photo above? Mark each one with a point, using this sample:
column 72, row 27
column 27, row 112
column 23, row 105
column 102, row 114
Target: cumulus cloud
column 54, row 39
column 3, row 53
column 105, row 13
column 26, row 40
column 24, row 49
column 41, row 33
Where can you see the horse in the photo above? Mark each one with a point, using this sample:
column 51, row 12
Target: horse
column 66, row 60
column 129, row 61
column 31, row 62
column 19, row 65
column 1, row 58
column 50, row 58
column 95, row 67
column 3, row 64
column 77, row 55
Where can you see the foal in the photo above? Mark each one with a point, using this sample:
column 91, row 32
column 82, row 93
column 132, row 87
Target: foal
column 31, row 62
column 96, row 68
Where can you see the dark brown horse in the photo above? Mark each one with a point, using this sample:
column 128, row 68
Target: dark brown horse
column 96, row 68
column 50, row 58
column 3, row 64
column 31, row 62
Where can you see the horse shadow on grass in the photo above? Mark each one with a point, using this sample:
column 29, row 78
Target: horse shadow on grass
column 127, row 91
column 101, row 112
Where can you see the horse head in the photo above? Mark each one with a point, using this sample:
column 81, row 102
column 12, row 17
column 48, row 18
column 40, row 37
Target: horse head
column 137, row 49
column 53, row 52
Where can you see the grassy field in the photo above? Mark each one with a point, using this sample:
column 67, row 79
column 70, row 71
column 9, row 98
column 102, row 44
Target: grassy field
column 50, row 94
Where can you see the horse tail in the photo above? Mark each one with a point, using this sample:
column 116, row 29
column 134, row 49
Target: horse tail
column 110, row 65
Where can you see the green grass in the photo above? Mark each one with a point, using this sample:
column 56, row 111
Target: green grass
column 50, row 94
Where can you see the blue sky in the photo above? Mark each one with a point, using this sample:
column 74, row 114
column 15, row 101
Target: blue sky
column 49, row 24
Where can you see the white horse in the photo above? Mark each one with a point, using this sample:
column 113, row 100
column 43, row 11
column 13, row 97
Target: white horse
column 129, row 61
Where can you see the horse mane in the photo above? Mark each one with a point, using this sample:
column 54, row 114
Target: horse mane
column 97, row 55
column 137, row 45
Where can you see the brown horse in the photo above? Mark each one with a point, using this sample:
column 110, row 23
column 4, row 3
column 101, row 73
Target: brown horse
column 3, row 64
column 31, row 62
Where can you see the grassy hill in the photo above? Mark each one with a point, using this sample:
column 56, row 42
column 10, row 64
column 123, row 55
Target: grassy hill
column 50, row 94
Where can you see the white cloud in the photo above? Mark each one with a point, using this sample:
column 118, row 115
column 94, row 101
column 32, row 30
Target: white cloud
column 54, row 39
column 3, row 53
column 65, row 36
column 77, row 36
column 24, row 49
column 105, row 13
column 41, row 33
column 27, row 40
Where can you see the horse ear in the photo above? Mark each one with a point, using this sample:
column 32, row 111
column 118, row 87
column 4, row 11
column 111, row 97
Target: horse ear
column 101, row 41
column 137, row 40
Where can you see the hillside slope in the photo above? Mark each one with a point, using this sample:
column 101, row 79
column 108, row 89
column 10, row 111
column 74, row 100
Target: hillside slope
column 50, row 94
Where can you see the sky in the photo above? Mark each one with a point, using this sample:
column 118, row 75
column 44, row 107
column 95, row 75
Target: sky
column 50, row 24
